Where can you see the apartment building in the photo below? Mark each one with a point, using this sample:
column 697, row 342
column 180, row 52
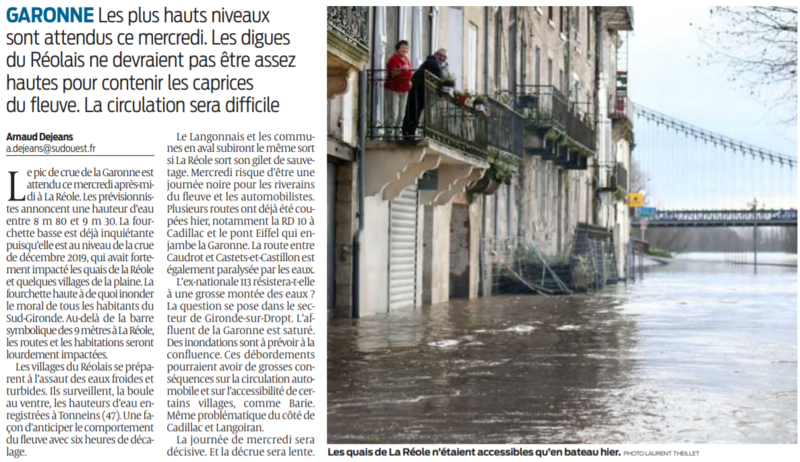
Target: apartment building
column 511, row 157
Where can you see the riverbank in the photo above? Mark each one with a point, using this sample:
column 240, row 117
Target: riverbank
column 780, row 259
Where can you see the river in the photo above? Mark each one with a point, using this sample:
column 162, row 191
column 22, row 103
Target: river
column 699, row 352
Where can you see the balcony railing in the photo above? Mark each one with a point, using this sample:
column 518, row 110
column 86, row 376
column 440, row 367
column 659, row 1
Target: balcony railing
column 580, row 129
column 544, row 107
column 622, row 176
column 613, row 177
column 506, row 128
column 442, row 119
column 351, row 23
column 622, row 108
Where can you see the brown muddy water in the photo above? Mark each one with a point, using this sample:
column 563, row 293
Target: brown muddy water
column 697, row 353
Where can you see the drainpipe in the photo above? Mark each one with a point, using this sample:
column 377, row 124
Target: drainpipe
column 482, row 255
column 568, row 70
column 486, row 13
column 598, row 61
column 362, row 141
column 598, row 64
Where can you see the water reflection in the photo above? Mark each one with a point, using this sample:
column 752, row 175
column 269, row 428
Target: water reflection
column 696, row 353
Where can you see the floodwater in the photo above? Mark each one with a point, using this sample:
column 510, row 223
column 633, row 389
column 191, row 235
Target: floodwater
column 699, row 352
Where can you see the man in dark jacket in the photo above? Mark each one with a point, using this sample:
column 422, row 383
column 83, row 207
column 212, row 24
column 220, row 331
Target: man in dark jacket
column 416, row 98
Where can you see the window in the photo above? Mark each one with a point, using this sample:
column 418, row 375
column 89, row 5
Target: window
column 433, row 19
column 578, row 23
column 472, row 83
column 512, row 50
column 550, row 13
column 402, row 29
column 498, row 48
column 416, row 36
column 455, row 44
column 550, row 71
column 562, row 20
column 537, row 66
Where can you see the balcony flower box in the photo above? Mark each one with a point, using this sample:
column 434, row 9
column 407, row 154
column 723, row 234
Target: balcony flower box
column 448, row 87
column 479, row 104
column 464, row 99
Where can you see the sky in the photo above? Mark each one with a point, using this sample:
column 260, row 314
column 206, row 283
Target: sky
column 668, row 73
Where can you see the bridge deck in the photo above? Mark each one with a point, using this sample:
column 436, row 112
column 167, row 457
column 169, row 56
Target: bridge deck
column 721, row 218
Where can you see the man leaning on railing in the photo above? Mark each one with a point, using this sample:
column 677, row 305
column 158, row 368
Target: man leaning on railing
column 416, row 98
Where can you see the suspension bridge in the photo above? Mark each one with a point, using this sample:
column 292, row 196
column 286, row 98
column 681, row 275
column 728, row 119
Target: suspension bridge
column 694, row 177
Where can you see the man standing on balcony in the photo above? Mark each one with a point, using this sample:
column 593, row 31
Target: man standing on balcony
column 416, row 99
column 398, row 84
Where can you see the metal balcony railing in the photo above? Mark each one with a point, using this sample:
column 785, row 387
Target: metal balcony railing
column 545, row 107
column 622, row 176
column 506, row 128
column 442, row 117
column 613, row 177
column 351, row 23
column 580, row 129
column 622, row 108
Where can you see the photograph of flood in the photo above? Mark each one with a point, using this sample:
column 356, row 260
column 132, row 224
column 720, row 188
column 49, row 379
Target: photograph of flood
column 564, row 224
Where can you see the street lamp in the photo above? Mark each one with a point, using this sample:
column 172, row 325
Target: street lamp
column 754, row 205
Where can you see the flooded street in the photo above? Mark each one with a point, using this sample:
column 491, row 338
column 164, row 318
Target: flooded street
column 697, row 353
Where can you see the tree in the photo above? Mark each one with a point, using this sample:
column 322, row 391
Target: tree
column 759, row 45
column 639, row 178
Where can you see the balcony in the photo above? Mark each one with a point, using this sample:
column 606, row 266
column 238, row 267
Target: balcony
column 451, row 138
column 348, row 45
column 351, row 24
column 506, row 129
column 622, row 177
column 617, row 17
column 543, row 107
column 580, row 129
column 443, row 119
column 613, row 178
column 559, row 131
column 622, row 110
column 505, row 142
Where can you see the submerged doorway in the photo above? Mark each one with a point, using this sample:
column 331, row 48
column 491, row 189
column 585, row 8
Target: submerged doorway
column 460, row 251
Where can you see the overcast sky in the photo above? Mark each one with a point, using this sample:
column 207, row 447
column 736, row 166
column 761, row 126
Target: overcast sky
column 666, row 74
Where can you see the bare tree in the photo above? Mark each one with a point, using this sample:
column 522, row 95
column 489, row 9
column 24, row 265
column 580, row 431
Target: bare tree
column 639, row 178
column 759, row 44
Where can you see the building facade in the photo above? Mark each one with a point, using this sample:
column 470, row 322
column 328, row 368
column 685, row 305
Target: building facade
column 515, row 158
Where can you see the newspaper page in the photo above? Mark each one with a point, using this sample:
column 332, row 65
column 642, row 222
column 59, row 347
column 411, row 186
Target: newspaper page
column 540, row 232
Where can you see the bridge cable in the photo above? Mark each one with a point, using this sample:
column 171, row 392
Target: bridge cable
column 701, row 134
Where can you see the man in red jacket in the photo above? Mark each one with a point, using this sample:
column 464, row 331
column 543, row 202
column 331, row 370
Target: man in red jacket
column 398, row 84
